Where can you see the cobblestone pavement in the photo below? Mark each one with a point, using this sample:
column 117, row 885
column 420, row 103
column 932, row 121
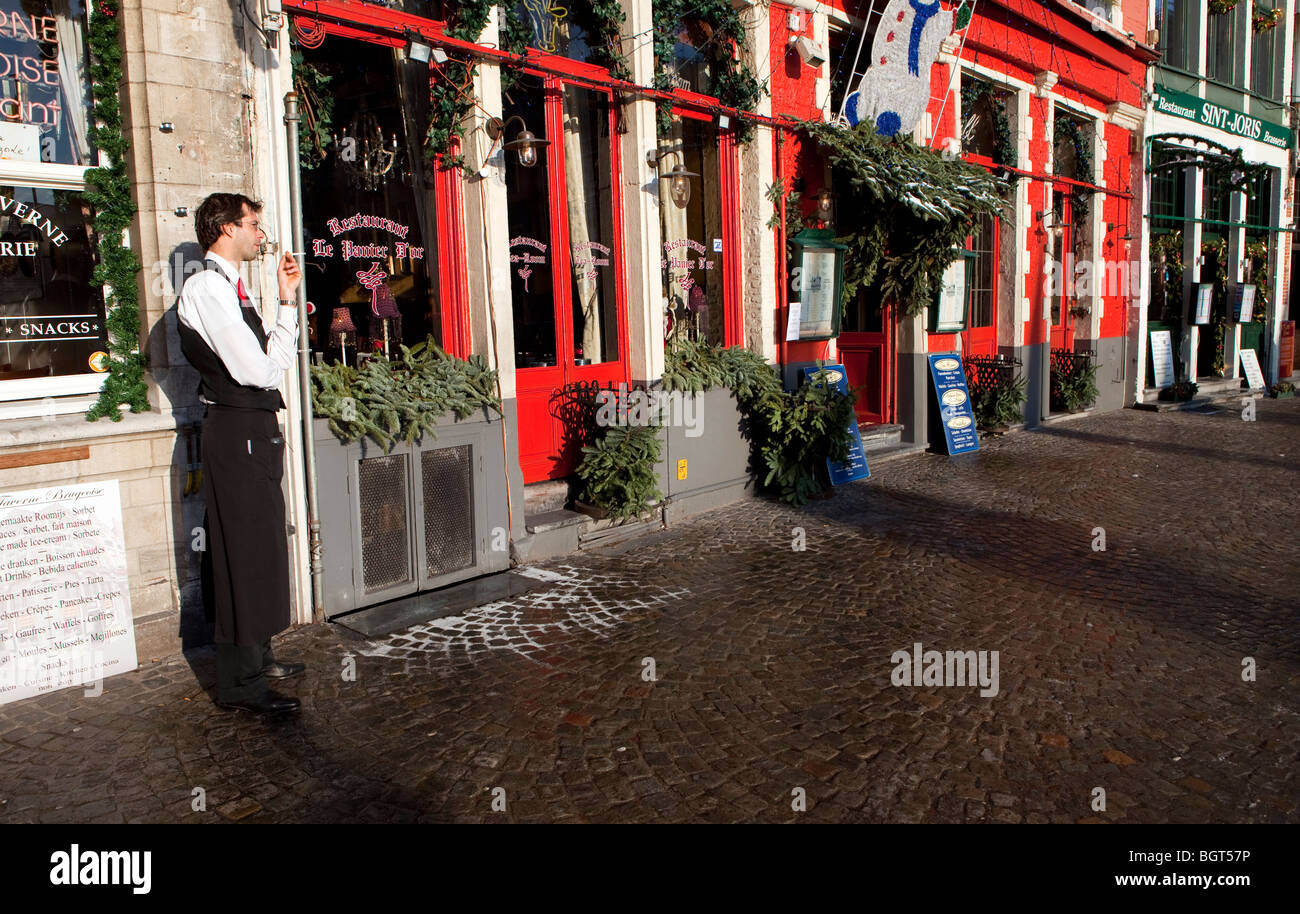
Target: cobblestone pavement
column 1120, row 670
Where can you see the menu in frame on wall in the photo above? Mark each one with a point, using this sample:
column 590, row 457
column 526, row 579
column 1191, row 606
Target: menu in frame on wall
column 65, row 608
column 818, row 302
column 1244, row 303
column 1162, row 358
column 1204, row 298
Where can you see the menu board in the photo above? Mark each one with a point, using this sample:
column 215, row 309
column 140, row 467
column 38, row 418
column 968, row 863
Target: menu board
column 856, row 466
column 1250, row 365
column 817, row 311
column 952, row 402
column 1162, row 358
column 952, row 299
column 65, row 608
column 1204, row 298
column 1245, row 303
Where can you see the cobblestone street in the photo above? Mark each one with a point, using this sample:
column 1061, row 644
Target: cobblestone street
column 1119, row 669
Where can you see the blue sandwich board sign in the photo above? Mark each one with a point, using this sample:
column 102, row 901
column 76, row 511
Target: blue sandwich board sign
column 952, row 403
column 856, row 466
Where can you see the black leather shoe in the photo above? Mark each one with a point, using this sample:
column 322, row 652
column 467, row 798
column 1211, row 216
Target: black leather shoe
column 270, row 703
column 282, row 670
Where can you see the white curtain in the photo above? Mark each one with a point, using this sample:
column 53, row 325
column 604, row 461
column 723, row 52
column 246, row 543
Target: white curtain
column 583, row 196
column 73, row 76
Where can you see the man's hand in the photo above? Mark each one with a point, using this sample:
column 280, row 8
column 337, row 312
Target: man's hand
column 289, row 276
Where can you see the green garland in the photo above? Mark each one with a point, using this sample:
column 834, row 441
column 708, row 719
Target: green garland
column 1004, row 143
column 1079, row 197
column 904, row 211
column 316, row 105
column 1170, row 245
column 1257, row 253
column 109, row 192
column 734, row 83
column 618, row 470
column 402, row 399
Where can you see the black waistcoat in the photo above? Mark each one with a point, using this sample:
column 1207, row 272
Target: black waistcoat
column 215, row 383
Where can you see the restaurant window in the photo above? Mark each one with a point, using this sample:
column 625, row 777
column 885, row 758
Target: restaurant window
column 698, row 212
column 1267, row 67
column 369, row 205
column 1226, row 46
column 984, row 244
column 52, row 331
column 1176, row 21
column 581, row 220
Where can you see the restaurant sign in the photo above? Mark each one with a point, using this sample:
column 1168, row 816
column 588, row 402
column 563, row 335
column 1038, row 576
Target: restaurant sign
column 1229, row 120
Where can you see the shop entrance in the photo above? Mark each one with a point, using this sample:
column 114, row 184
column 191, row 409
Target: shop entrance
column 570, row 315
column 1209, row 347
column 866, row 348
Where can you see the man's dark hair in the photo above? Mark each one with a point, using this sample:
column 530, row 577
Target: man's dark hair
column 218, row 210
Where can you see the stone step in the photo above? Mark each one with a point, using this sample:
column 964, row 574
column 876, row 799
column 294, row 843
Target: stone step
column 544, row 497
column 879, row 437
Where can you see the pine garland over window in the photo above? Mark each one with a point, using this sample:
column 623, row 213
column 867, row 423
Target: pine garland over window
column 734, row 83
column 1004, row 143
column 904, row 211
column 109, row 192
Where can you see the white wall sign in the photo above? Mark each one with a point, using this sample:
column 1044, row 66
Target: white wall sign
column 952, row 299
column 1250, row 365
column 65, row 607
column 1162, row 358
column 818, row 287
column 1245, row 303
column 20, row 141
column 1204, row 298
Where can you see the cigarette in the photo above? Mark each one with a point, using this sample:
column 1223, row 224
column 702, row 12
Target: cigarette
column 296, row 253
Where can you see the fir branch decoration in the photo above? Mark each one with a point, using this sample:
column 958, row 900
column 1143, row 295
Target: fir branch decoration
column 1167, row 253
column 618, row 470
column 451, row 85
column 109, row 192
column 1220, row 7
column 1263, row 19
column 792, row 434
column 904, row 211
column 402, row 399
column 734, row 83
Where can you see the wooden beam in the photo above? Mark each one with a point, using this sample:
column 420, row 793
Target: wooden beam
column 36, row 458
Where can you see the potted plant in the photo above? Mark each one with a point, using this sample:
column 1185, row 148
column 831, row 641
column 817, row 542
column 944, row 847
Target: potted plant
column 618, row 472
column 1282, row 390
column 1179, row 392
column 1076, row 389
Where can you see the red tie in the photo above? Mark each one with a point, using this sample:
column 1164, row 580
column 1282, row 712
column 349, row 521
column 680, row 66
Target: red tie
column 239, row 287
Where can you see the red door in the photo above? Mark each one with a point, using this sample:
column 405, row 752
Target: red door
column 1063, row 265
column 566, row 256
column 865, row 348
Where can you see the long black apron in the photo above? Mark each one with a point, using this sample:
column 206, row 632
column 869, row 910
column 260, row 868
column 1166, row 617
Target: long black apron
column 243, row 463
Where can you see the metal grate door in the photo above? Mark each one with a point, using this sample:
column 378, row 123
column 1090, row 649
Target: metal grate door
column 447, row 479
column 385, row 524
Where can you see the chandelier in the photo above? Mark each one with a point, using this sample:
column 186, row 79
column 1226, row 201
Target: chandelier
column 365, row 154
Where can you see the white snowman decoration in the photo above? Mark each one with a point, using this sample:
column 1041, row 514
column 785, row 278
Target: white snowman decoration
column 895, row 91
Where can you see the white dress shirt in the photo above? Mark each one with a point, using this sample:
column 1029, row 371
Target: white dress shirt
column 210, row 306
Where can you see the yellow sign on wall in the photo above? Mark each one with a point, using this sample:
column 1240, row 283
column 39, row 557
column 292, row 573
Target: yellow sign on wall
column 681, row 469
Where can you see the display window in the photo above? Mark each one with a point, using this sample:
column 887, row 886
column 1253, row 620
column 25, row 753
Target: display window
column 699, row 210
column 373, row 205
column 53, row 339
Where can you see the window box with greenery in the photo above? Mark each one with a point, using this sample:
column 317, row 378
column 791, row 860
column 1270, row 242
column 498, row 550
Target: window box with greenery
column 1282, row 390
column 1180, row 392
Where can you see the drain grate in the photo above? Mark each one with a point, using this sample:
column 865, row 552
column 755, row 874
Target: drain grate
column 385, row 528
column 448, row 481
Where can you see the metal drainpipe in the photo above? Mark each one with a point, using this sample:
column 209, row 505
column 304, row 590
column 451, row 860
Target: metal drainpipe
column 304, row 362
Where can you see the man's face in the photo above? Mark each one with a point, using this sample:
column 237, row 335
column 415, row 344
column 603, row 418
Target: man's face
column 247, row 235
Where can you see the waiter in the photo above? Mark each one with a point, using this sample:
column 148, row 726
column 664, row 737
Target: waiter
column 240, row 367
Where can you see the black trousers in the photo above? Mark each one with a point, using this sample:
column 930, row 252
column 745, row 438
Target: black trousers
column 239, row 671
